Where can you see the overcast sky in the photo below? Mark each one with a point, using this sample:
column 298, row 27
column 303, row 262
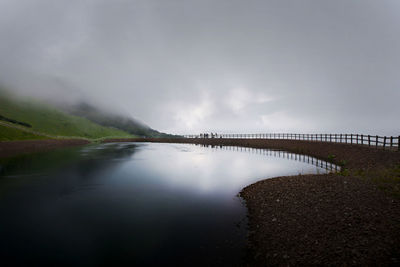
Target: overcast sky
column 213, row 65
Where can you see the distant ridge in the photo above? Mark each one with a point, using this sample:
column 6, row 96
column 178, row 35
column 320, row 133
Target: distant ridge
column 125, row 123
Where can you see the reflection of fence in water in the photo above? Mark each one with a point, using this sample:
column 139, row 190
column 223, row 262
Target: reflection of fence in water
column 282, row 154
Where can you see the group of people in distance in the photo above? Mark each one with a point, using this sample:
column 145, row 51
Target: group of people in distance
column 208, row 135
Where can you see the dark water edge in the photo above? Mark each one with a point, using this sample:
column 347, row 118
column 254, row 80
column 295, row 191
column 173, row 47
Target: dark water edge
column 130, row 204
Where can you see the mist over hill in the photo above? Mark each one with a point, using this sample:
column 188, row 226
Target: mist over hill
column 112, row 119
column 20, row 115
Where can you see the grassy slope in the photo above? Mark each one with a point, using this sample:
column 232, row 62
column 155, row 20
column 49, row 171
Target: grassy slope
column 47, row 119
column 10, row 134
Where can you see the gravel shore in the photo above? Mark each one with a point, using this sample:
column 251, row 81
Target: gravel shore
column 321, row 220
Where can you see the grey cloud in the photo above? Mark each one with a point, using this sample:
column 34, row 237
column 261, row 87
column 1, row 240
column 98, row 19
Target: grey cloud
column 322, row 66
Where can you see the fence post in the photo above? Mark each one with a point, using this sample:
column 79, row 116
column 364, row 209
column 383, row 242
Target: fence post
column 351, row 138
column 369, row 140
column 391, row 141
column 384, row 142
column 398, row 143
column 341, row 138
column 345, row 138
column 376, row 143
column 362, row 139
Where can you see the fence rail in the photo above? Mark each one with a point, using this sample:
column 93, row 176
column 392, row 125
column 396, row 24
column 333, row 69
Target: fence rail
column 390, row 142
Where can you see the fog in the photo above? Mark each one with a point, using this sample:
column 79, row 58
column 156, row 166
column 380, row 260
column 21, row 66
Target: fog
column 225, row 66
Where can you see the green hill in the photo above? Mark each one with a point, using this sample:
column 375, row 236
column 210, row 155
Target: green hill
column 31, row 116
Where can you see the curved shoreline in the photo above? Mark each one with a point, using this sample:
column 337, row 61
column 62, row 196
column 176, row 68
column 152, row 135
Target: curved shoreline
column 334, row 219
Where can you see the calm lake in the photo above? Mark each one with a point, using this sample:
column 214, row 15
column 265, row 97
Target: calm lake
column 133, row 203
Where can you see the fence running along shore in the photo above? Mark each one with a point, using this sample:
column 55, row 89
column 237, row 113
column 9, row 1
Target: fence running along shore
column 385, row 142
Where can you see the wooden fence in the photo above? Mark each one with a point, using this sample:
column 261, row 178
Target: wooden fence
column 385, row 142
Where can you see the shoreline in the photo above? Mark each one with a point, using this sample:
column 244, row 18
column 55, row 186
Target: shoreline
column 347, row 218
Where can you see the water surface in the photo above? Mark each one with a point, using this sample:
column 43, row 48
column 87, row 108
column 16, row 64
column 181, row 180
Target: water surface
column 133, row 203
